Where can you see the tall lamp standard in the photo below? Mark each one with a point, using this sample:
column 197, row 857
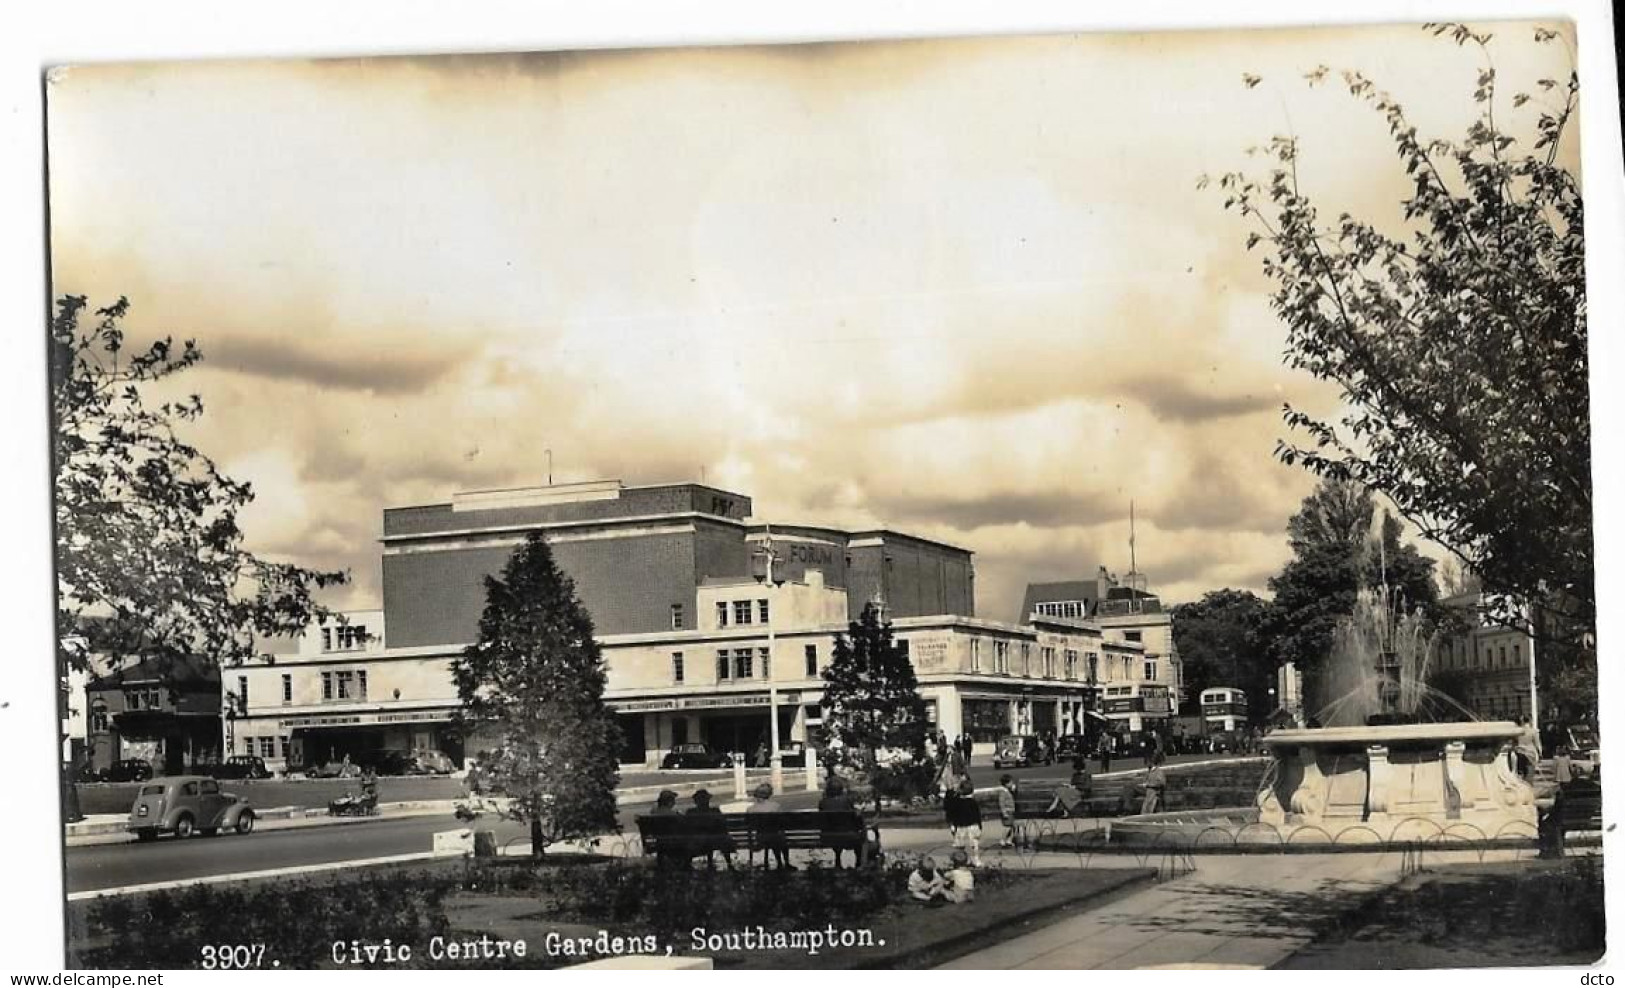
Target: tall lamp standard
column 763, row 571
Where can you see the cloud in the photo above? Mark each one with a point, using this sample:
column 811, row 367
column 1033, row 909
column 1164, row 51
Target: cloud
column 966, row 288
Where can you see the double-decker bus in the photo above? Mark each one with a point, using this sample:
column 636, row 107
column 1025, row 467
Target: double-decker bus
column 1224, row 708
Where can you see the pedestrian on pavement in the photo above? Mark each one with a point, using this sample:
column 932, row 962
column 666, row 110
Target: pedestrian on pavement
column 1007, row 809
column 1156, row 780
column 1563, row 766
column 1108, row 741
column 964, row 816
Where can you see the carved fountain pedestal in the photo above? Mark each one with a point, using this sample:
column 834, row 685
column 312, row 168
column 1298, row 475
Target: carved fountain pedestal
column 1398, row 782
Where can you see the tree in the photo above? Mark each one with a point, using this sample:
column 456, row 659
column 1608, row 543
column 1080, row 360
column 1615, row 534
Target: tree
column 1336, row 554
column 870, row 689
column 149, row 556
column 535, row 680
column 1216, row 638
column 1456, row 333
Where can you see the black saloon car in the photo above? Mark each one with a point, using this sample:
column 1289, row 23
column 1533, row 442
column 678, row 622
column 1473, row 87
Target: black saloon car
column 696, row 756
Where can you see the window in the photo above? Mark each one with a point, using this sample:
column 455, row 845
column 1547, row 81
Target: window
column 976, row 655
column 287, row 688
column 327, row 686
column 327, row 639
column 1001, row 658
column 361, row 684
column 767, row 662
column 286, row 746
column 1094, row 666
column 902, row 647
column 811, row 653
column 242, row 691
column 677, row 617
column 1517, row 659
column 722, row 665
column 741, row 612
column 1133, row 636
column 677, row 667
column 1151, row 671
column 98, row 716
column 742, row 663
column 722, row 614
column 268, row 747
column 1026, row 659
column 1072, row 663
column 346, row 684
column 209, row 787
column 761, row 612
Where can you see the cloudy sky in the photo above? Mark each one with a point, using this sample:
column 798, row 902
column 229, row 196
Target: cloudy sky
column 965, row 288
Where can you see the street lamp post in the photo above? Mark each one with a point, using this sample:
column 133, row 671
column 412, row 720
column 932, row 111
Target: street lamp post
column 775, row 759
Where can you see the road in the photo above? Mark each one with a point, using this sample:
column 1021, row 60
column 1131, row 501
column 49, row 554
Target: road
column 114, row 865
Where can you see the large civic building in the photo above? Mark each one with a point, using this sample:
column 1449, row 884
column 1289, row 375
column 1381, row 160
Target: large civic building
column 692, row 632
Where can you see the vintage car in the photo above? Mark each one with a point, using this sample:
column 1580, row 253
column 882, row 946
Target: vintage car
column 1072, row 745
column 126, row 770
column 184, row 805
column 1019, row 751
column 332, row 770
column 428, row 761
column 696, row 755
column 242, row 767
column 1584, row 750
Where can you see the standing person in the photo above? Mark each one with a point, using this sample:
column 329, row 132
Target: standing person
column 773, row 840
column 1527, row 752
column 969, row 746
column 965, row 820
column 1007, row 809
column 1108, row 741
column 1563, row 766
column 1156, row 780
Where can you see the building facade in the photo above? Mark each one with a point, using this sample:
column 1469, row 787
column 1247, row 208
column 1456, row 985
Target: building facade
column 166, row 714
column 698, row 645
column 1148, row 691
column 1490, row 665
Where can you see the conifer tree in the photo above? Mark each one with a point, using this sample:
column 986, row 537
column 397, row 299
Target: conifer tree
column 870, row 689
column 535, row 680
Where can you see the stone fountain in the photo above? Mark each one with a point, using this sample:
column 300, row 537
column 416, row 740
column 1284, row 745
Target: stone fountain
column 1391, row 760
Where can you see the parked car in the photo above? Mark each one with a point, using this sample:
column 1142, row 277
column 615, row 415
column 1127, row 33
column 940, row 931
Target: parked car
column 432, row 762
column 696, row 755
column 1584, row 751
column 127, row 770
column 333, row 770
column 1071, row 745
column 184, row 805
column 241, row 767
column 388, row 761
column 1018, row 751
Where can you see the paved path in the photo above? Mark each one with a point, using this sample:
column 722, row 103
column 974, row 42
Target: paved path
column 1236, row 910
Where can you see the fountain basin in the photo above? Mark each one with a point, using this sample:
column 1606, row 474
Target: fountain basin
column 1455, row 776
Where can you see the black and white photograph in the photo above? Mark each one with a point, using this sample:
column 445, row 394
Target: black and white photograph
column 1048, row 499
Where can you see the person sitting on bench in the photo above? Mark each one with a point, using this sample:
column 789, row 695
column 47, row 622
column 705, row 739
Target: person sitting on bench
column 713, row 834
column 772, row 839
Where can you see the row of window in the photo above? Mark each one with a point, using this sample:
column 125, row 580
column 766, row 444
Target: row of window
column 266, row 746
column 1488, row 657
column 741, row 611
column 743, row 663
column 349, row 638
column 1063, row 608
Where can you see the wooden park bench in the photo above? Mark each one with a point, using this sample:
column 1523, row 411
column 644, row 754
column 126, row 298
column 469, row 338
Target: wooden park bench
column 685, row 837
column 1038, row 816
column 1577, row 809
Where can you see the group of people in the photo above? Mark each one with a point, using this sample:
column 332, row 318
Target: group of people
column 835, row 799
column 930, row 887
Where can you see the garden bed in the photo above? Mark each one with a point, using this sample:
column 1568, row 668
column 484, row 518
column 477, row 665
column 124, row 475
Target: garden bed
column 572, row 912
column 1500, row 914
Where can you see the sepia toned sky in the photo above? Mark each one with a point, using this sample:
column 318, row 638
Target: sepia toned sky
column 967, row 289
